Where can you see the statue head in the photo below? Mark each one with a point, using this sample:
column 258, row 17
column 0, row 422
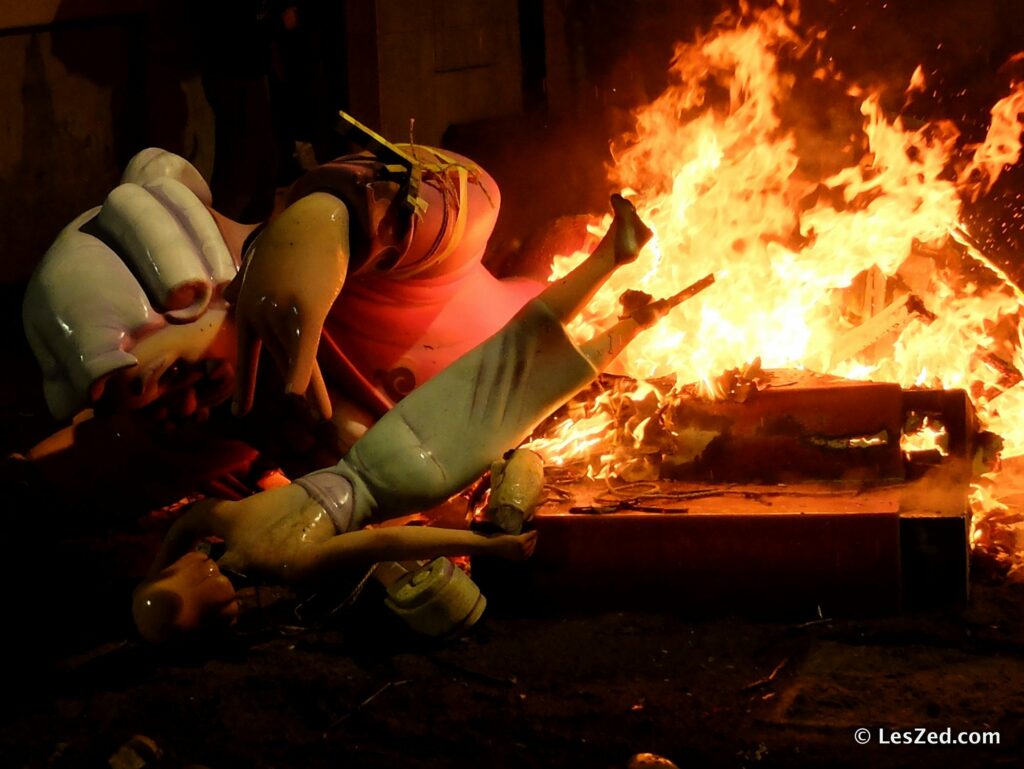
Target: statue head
column 189, row 595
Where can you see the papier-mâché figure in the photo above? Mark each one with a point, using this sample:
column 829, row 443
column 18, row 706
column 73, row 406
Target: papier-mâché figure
column 432, row 444
column 358, row 291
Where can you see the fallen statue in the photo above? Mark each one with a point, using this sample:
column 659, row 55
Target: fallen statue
column 366, row 283
column 431, row 445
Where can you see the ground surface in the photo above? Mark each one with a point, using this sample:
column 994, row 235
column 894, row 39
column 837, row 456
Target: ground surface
column 539, row 692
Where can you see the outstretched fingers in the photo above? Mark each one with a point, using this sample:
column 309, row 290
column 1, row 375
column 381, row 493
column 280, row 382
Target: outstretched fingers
column 249, row 345
column 302, row 338
column 296, row 338
column 291, row 340
column 321, row 397
column 528, row 543
column 514, row 547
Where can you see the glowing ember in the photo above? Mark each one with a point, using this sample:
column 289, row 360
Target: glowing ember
column 853, row 270
column 926, row 436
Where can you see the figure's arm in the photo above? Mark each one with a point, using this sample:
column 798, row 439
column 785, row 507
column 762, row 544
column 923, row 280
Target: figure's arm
column 405, row 543
column 292, row 274
column 203, row 519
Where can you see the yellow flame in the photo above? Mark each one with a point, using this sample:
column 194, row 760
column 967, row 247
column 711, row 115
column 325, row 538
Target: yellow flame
column 719, row 176
column 929, row 436
column 722, row 188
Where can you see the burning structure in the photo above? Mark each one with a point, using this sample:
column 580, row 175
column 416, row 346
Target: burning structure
column 855, row 332
column 843, row 255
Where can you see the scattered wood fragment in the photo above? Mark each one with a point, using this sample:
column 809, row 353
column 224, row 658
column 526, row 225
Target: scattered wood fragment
column 762, row 682
column 353, row 711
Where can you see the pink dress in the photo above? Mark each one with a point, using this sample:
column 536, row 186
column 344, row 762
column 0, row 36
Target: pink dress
column 417, row 295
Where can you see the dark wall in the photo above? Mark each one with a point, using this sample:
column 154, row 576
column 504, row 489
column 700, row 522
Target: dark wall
column 84, row 85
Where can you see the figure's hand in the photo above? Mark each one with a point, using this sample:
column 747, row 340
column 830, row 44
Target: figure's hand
column 189, row 595
column 130, row 290
column 514, row 547
column 290, row 279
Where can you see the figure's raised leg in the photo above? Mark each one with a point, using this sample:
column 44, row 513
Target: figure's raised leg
column 605, row 347
column 620, row 245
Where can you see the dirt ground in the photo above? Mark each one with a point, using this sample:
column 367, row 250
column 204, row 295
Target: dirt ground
column 356, row 690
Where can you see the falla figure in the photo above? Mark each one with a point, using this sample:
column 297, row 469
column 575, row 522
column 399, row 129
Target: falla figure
column 368, row 295
column 429, row 446
column 367, row 281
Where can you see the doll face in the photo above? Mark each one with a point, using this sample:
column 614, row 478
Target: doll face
column 183, row 369
column 188, row 596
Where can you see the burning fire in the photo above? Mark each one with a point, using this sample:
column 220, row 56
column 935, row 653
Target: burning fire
column 851, row 260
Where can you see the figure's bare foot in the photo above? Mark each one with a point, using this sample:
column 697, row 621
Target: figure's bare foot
column 630, row 233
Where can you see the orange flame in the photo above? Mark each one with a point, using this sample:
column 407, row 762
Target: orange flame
column 805, row 260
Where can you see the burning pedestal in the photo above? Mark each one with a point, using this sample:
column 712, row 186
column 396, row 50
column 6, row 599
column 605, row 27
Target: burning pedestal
column 800, row 497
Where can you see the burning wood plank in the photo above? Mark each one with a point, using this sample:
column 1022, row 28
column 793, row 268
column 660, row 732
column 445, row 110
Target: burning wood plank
column 1009, row 375
column 892, row 320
